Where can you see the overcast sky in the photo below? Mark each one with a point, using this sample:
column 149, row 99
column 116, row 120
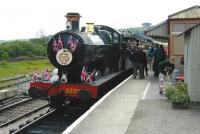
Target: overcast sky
column 24, row 18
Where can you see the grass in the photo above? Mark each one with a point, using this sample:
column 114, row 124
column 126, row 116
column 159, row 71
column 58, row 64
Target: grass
column 12, row 69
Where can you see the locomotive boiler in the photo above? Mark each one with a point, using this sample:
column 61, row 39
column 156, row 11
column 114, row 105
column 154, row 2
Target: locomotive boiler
column 81, row 57
column 93, row 50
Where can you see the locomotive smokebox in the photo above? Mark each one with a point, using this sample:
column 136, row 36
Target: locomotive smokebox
column 73, row 19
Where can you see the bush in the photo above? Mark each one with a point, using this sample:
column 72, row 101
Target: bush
column 178, row 94
column 169, row 91
column 180, row 97
column 20, row 48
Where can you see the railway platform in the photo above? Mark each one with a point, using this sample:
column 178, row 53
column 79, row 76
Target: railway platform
column 136, row 107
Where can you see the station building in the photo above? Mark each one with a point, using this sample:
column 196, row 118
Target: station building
column 192, row 62
column 169, row 30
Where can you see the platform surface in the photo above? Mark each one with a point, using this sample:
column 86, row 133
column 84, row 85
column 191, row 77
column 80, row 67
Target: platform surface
column 114, row 114
column 158, row 117
column 136, row 107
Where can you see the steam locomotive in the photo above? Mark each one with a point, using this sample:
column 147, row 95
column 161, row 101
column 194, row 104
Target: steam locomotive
column 81, row 58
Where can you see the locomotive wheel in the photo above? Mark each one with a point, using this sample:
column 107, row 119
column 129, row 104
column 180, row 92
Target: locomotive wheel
column 57, row 101
column 84, row 95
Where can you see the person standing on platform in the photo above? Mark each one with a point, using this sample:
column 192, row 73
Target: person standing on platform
column 158, row 56
column 150, row 50
column 145, row 63
column 140, row 61
column 163, row 53
column 131, row 52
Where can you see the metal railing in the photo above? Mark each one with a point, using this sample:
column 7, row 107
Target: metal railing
column 14, row 81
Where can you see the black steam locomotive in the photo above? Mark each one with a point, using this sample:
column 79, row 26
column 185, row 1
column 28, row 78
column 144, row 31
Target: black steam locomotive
column 96, row 50
column 81, row 57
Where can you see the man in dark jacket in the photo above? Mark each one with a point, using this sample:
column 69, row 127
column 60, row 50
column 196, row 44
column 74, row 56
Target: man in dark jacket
column 140, row 61
column 131, row 53
column 158, row 56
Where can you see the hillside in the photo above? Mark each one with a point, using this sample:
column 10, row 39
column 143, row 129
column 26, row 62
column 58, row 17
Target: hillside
column 136, row 30
column 23, row 48
column 1, row 41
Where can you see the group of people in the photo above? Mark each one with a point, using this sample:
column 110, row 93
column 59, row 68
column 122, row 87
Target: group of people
column 138, row 59
column 145, row 58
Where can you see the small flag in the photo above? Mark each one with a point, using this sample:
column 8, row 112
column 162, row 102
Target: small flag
column 55, row 48
column 83, row 74
column 90, row 76
column 57, row 45
column 72, row 45
column 60, row 44
column 46, row 75
column 35, row 75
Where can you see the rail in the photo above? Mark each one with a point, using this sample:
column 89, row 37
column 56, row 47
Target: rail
column 20, row 109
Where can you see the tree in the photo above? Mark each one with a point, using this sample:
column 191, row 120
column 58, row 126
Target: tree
column 146, row 24
column 3, row 55
column 41, row 34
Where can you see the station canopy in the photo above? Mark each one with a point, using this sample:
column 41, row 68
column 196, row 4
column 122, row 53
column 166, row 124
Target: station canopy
column 158, row 31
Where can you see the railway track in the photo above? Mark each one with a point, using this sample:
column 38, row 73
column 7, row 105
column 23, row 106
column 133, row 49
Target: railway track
column 15, row 112
column 53, row 122
column 6, row 103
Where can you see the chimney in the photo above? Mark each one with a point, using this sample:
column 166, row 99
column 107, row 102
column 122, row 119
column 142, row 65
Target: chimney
column 72, row 21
